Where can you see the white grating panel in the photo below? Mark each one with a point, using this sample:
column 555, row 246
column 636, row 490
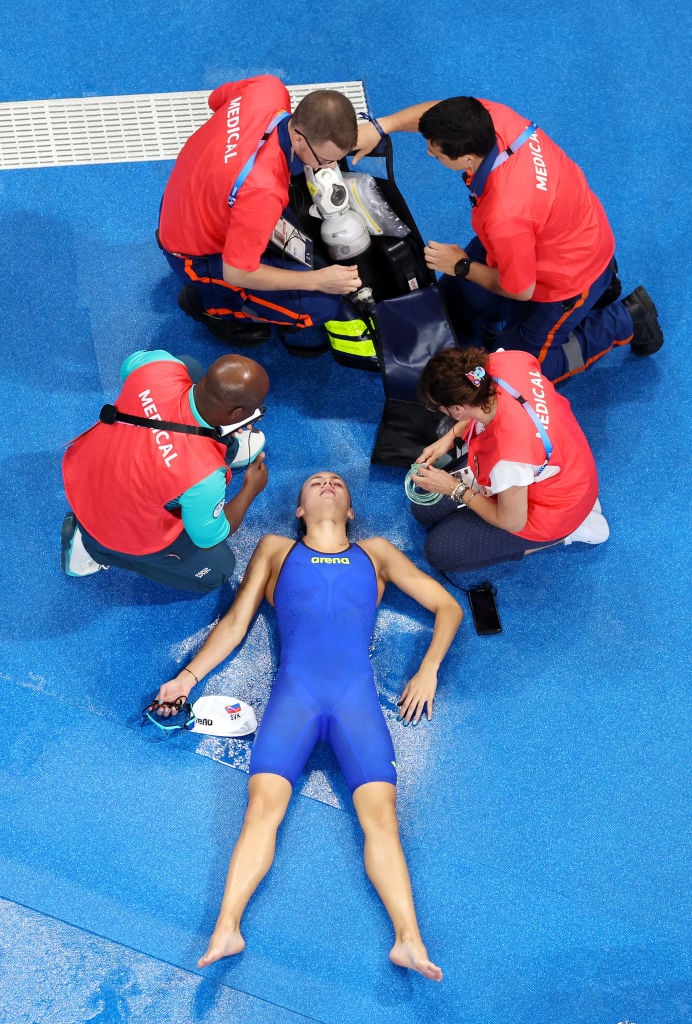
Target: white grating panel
column 116, row 129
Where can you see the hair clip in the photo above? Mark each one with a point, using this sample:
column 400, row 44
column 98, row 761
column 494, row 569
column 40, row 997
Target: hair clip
column 476, row 376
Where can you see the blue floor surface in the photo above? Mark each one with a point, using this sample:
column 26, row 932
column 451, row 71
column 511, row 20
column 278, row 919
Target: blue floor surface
column 545, row 809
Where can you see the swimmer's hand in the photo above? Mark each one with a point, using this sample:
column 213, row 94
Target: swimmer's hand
column 418, row 696
column 170, row 691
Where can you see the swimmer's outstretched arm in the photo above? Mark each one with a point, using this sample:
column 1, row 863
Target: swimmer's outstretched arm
column 394, row 567
column 232, row 628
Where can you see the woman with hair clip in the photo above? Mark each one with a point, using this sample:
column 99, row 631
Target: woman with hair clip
column 531, row 480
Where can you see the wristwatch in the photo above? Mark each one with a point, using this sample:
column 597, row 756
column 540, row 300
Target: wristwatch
column 461, row 269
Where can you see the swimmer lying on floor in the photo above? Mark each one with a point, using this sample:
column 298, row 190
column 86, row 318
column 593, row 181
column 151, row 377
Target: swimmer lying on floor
column 325, row 591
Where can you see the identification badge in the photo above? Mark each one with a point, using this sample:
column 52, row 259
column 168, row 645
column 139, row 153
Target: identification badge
column 291, row 241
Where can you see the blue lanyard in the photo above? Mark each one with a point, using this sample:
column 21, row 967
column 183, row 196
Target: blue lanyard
column 542, row 433
column 233, row 194
column 493, row 160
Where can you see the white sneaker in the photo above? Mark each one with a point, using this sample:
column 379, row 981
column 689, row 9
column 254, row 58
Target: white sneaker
column 594, row 529
column 251, row 443
column 76, row 560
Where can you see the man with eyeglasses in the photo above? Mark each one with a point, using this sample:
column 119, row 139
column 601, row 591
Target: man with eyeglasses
column 227, row 192
column 147, row 483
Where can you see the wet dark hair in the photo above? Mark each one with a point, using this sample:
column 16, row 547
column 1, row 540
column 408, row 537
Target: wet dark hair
column 301, row 528
column 458, row 126
column 444, row 381
column 326, row 115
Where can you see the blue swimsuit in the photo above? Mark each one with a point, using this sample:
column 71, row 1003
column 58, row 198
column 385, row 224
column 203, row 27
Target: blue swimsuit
column 324, row 688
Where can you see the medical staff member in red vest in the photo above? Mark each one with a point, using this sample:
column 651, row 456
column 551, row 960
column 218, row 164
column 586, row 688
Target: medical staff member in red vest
column 540, row 274
column 531, row 479
column 147, row 483
column 228, row 189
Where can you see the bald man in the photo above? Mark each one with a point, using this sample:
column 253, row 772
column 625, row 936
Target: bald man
column 147, row 484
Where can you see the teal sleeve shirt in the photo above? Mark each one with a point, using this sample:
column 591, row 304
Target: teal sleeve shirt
column 202, row 506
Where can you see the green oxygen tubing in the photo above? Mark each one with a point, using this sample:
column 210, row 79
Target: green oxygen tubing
column 414, row 493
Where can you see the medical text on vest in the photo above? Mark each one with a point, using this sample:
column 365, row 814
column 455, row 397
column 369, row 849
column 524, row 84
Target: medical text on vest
column 538, row 163
column 168, row 452
column 538, row 393
column 232, row 125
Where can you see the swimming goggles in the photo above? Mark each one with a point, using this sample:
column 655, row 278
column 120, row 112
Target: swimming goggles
column 181, row 708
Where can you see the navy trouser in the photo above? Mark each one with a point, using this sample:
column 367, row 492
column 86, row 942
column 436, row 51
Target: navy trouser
column 294, row 308
column 565, row 337
column 182, row 564
column 460, row 541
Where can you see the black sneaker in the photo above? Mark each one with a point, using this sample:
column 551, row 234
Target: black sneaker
column 648, row 336
column 233, row 332
column 190, row 301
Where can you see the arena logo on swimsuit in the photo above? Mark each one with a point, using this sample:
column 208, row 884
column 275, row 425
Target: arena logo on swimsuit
column 320, row 560
column 232, row 124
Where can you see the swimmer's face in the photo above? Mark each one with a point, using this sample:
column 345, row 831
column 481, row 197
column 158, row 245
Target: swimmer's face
column 324, row 489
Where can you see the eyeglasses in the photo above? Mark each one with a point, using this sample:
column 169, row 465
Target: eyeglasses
column 252, row 418
column 180, row 704
column 320, row 161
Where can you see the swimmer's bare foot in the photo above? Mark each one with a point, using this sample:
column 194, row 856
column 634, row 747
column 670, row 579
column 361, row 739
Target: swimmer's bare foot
column 414, row 955
column 224, row 942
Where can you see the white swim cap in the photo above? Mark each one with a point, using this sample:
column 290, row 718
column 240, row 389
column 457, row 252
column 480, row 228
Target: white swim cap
column 223, row 716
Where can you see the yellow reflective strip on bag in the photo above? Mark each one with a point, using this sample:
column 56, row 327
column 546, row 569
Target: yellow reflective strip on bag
column 350, row 336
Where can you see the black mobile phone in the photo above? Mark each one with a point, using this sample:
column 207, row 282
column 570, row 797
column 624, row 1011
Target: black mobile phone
column 484, row 610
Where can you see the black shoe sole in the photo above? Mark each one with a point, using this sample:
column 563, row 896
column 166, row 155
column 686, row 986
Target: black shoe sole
column 645, row 322
column 647, row 348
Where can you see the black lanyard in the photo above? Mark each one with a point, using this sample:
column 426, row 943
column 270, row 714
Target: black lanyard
column 111, row 414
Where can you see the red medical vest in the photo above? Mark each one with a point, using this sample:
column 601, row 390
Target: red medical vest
column 559, row 504
column 537, row 217
column 196, row 219
column 119, row 477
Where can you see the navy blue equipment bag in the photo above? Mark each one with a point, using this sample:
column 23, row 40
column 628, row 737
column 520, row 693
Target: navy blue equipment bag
column 409, row 330
column 400, row 330
column 410, row 326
